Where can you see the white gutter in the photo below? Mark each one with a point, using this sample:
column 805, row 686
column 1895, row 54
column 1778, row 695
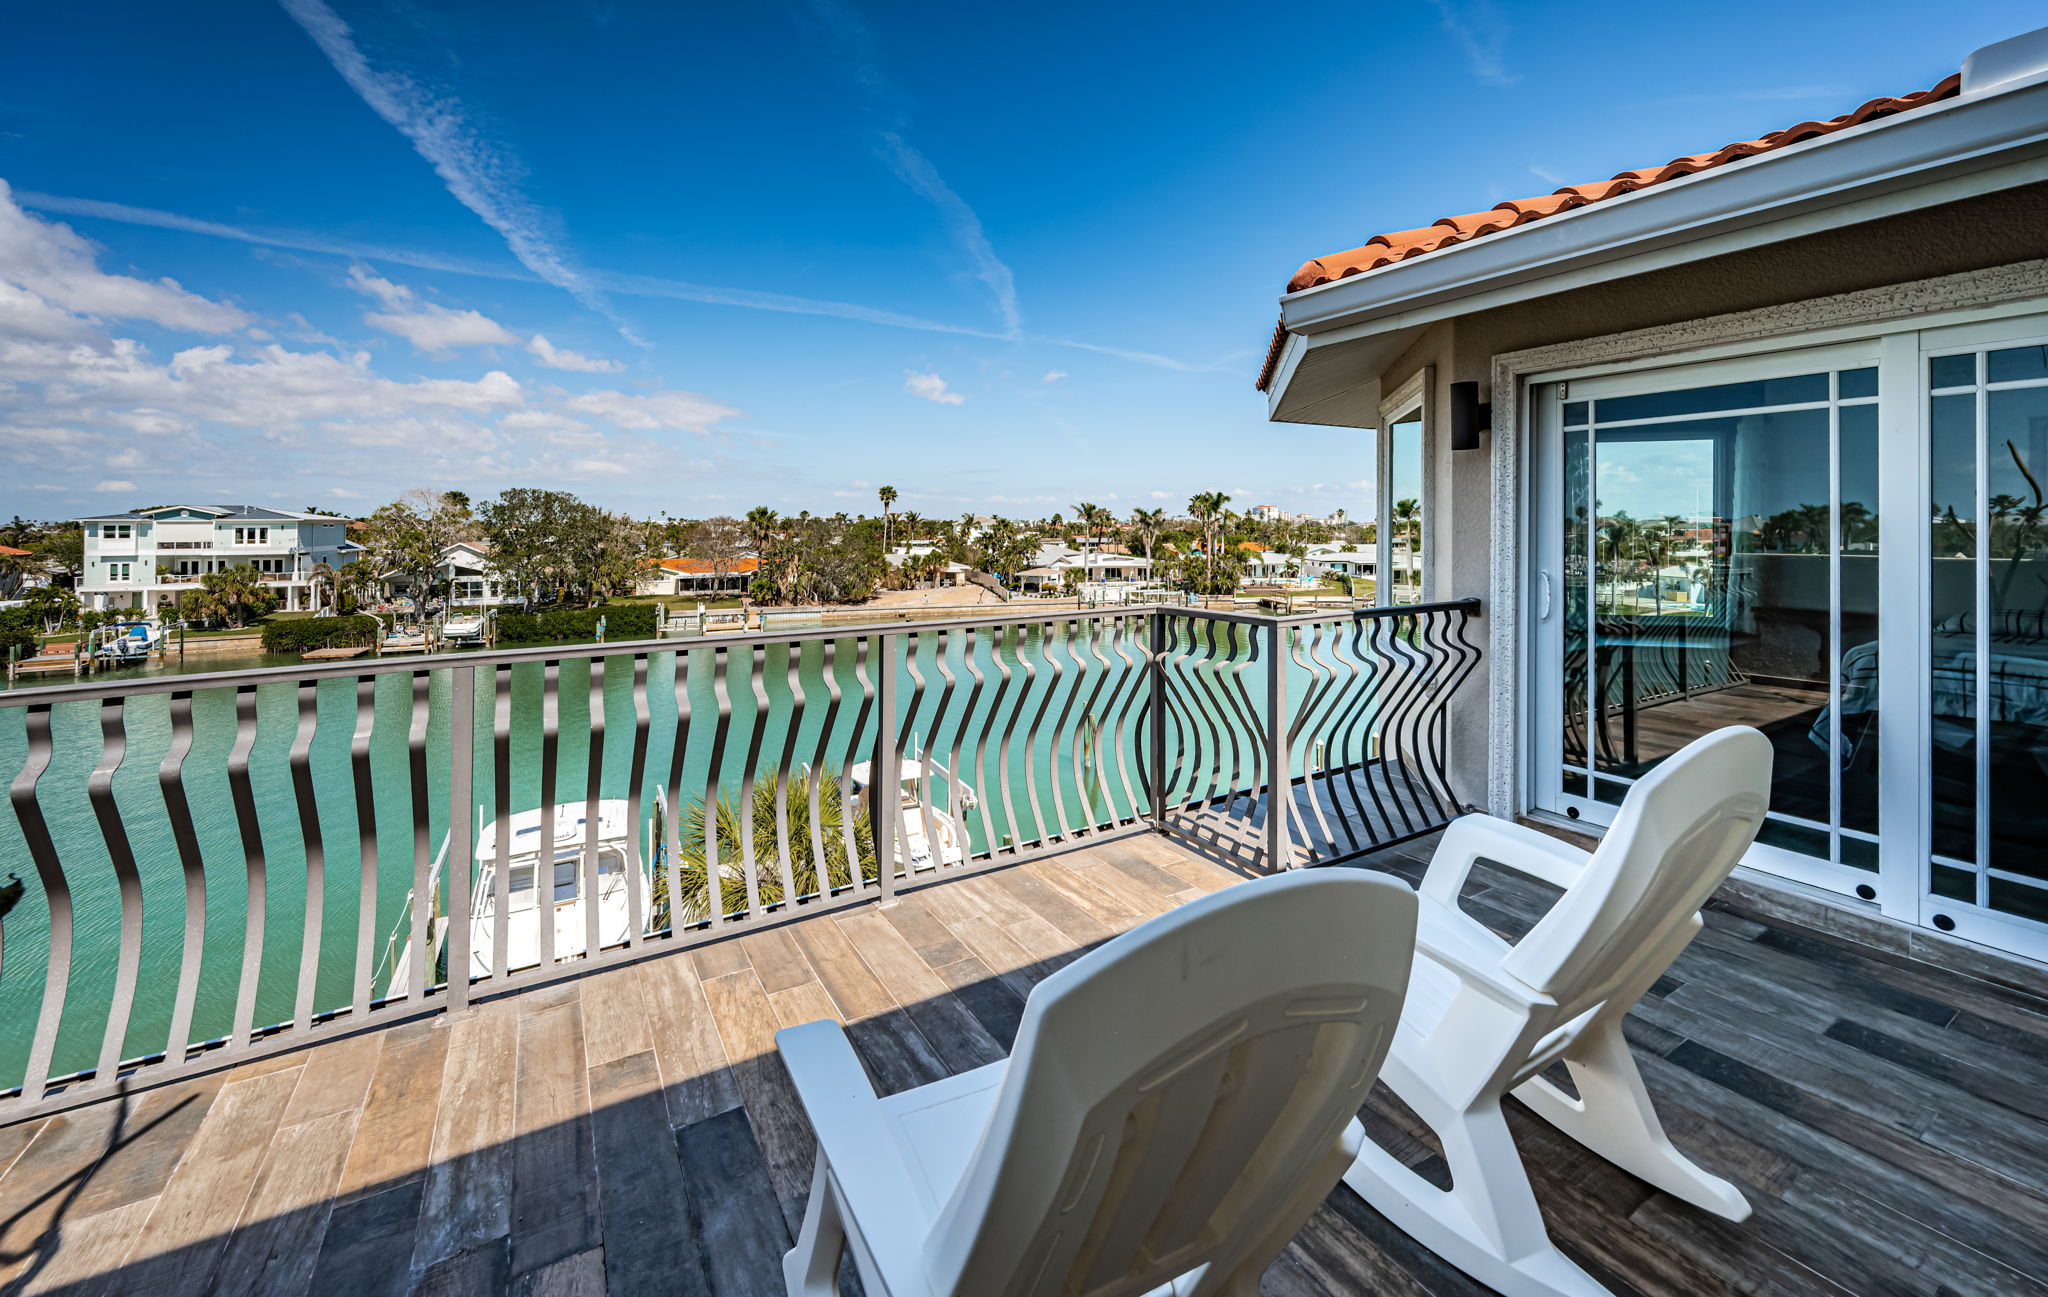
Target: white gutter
column 1976, row 143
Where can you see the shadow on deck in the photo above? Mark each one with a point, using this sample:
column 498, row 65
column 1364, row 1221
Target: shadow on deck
column 634, row 1131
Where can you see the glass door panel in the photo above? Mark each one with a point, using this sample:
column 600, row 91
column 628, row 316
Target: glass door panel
column 1717, row 554
column 1987, row 641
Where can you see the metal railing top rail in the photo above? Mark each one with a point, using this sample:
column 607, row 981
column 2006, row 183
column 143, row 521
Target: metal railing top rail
column 353, row 668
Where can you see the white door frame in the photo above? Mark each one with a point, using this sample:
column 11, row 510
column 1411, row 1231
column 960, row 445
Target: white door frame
column 1871, row 314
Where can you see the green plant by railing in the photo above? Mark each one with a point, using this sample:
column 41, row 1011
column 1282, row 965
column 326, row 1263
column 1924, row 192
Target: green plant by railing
column 766, row 839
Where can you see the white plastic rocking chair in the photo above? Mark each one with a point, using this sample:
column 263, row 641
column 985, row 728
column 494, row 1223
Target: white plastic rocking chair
column 1178, row 1103
column 1484, row 1018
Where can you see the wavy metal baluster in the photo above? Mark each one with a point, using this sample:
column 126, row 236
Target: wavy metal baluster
column 1339, row 770
column 1031, row 730
column 847, row 809
column 170, row 777
column 1405, row 711
column 244, row 798
column 1185, row 680
column 671, row 821
column 1014, row 832
column 636, row 794
column 828, row 667
column 35, row 830
column 501, row 819
column 714, row 883
column 912, row 651
column 1130, row 686
column 366, row 845
column 316, row 851
column 757, row 733
column 1368, row 714
column 1090, row 766
column 1220, row 643
column 1245, row 710
column 593, row 795
column 969, row 655
column 544, row 865
column 1320, row 680
column 885, row 796
column 121, row 855
column 1054, row 747
column 792, row 662
column 944, row 641
column 968, row 643
column 422, row 840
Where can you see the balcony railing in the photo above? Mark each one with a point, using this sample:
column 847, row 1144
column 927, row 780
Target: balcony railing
column 224, row 864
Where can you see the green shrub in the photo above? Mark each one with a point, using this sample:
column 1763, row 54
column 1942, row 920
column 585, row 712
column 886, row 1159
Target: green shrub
column 19, row 633
column 621, row 622
column 306, row 633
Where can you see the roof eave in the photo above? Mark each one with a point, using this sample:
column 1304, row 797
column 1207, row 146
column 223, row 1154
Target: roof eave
column 1935, row 154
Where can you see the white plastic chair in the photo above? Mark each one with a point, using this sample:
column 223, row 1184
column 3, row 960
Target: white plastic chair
column 1484, row 1018
column 1178, row 1103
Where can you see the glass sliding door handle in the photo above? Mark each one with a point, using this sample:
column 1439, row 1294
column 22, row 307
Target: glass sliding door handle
column 1544, row 614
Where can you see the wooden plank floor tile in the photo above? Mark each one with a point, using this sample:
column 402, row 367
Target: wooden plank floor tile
column 468, row 1200
column 396, row 1134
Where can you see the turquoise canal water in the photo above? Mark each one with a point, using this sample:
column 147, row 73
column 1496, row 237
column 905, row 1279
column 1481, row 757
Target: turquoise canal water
column 1046, row 710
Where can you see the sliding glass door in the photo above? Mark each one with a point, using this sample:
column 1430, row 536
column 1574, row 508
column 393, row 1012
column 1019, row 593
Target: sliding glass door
column 1714, row 542
column 1985, row 676
column 1745, row 541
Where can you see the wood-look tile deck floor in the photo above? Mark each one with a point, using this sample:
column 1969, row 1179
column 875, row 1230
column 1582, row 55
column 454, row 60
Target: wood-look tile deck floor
column 634, row 1132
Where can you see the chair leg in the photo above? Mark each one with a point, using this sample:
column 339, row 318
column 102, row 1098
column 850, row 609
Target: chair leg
column 811, row 1268
column 1613, row 1117
column 1488, row 1224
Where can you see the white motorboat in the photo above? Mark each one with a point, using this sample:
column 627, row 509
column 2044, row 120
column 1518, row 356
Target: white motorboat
column 931, row 834
column 465, row 628
column 128, row 641
column 551, row 891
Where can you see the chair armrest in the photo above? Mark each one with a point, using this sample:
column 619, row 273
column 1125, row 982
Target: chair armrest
column 1442, row 937
column 1521, row 849
column 854, row 1138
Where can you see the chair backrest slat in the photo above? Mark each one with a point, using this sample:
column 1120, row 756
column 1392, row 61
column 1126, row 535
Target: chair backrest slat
column 1170, row 1089
column 1680, row 831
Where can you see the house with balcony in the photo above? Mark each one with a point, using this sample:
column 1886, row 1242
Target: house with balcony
column 525, row 1009
column 1714, row 436
column 148, row 559
column 467, row 576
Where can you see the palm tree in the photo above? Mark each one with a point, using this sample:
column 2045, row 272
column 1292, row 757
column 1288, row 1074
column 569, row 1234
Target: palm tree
column 322, row 578
column 1207, row 508
column 693, row 856
column 1146, row 524
column 1407, row 513
column 888, row 498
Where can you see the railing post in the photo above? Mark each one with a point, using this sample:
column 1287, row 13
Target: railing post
column 885, row 793
column 461, row 827
column 1279, row 781
column 1156, row 731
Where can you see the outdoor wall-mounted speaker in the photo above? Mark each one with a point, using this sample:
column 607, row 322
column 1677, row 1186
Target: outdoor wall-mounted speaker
column 1468, row 416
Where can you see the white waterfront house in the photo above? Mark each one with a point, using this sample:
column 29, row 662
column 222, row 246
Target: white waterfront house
column 148, row 559
column 467, row 576
column 1052, row 562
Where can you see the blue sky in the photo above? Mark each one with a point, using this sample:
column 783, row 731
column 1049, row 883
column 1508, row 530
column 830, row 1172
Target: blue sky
column 693, row 258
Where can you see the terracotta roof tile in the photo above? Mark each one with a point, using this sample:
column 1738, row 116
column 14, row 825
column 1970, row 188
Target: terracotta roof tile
column 1400, row 245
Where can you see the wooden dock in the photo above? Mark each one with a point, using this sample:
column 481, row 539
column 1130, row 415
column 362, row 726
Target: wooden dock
column 335, row 654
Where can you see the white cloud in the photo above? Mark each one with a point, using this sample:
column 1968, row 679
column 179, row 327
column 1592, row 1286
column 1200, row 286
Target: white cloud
column 342, row 493
column 437, row 329
column 600, row 466
column 932, row 388
column 1053, row 375
column 1160, row 495
column 49, row 270
column 114, row 484
column 1478, row 29
column 553, row 357
column 680, row 411
column 961, row 223
column 476, row 172
column 428, row 326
